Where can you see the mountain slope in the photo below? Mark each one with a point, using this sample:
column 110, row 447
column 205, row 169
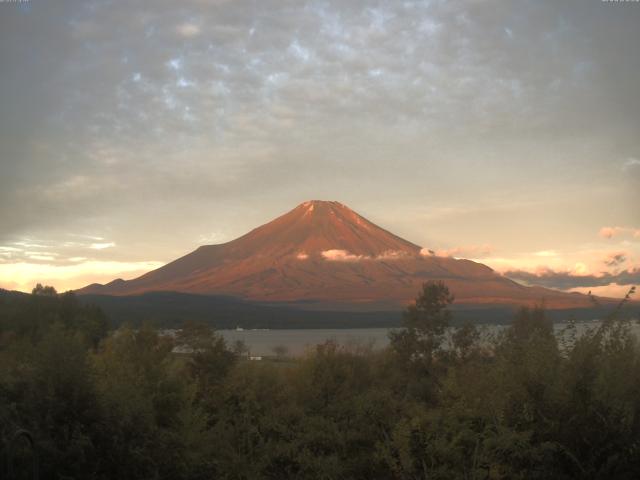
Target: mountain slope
column 326, row 253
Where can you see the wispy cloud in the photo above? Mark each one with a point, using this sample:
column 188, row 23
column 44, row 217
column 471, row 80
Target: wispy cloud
column 337, row 255
column 392, row 255
column 468, row 251
column 609, row 232
column 546, row 253
column 188, row 29
column 211, row 238
column 631, row 163
column 612, row 232
column 615, row 259
column 24, row 275
column 102, row 245
column 566, row 280
column 47, row 258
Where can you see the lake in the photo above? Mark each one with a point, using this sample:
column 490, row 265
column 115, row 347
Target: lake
column 297, row 341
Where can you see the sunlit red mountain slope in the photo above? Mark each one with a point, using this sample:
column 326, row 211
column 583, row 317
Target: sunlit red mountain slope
column 325, row 252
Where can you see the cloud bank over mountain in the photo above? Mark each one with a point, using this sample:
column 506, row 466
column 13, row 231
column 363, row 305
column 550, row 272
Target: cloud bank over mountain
column 568, row 280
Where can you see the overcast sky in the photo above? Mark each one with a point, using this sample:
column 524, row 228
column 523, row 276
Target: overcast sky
column 132, row 132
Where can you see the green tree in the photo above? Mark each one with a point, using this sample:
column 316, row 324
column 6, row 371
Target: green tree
column 464, row 341
column 417, row 345
column 281, row 351
column 47, row 388
column 44, row 291
column 208, row 360
column 424, row 322
column 152, row 426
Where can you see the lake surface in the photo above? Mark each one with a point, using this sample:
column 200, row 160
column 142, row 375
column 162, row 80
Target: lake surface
column 297, row 341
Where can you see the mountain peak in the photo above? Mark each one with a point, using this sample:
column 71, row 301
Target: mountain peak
column 318, row 225
column 309, row 203
column 322, row 207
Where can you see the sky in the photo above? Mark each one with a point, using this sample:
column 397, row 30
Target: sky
column 505, row 132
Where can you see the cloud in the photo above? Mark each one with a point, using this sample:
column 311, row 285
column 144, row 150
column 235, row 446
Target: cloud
column 102, row 246
column 60, row 251
column 392, row 255
column 565, row 280
column 338, row 255
column 546, row 253
column 609, row 232
column 631, row 164
column 188, row 30
column 615, row 259
column 212, row 238
column 612, row 232
column 469, row 251
column 24, row 275
column 48, row 258
column 613, row 290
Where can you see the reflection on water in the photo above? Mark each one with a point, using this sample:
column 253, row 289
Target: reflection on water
column 296, row 341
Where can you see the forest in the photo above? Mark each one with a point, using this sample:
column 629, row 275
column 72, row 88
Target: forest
column 440, row 402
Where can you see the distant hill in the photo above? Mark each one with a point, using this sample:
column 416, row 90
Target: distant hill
column 9, row 294
column 170, row 309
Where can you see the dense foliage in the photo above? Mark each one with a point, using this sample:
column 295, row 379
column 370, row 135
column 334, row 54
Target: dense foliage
column 438, row 403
